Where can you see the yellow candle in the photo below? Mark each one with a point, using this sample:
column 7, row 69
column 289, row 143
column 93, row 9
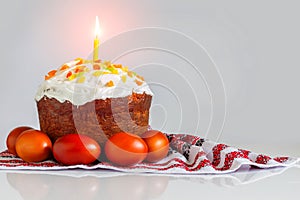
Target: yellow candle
column 96, row 40
column 96, row 48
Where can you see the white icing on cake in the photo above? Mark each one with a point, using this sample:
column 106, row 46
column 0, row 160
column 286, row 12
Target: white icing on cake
column 82, row 83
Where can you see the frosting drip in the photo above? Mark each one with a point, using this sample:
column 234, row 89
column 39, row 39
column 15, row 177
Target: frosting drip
column 81, row 81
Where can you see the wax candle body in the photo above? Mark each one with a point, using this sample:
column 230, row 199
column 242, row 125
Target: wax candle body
column 96, row 49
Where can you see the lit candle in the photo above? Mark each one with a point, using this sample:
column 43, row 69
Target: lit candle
column 96, row 40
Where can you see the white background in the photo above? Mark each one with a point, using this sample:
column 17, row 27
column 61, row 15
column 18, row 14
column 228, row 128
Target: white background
column 255, row 45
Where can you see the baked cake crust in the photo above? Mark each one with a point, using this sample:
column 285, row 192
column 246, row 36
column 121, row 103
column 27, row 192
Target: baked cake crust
column 98, row 119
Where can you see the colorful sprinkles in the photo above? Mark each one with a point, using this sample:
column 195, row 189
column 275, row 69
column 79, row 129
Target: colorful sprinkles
column 76, row 70
column 109, row 84
column 50, row 74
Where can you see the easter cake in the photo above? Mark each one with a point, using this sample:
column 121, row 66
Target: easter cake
column 97, row 99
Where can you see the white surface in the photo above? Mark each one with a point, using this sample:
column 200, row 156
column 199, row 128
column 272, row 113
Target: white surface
column 275, row 183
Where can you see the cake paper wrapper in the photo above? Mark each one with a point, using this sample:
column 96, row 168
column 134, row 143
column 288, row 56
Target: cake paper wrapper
column 188, row 154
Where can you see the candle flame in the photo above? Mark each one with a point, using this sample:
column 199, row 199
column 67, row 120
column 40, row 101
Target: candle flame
column 97, row 28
